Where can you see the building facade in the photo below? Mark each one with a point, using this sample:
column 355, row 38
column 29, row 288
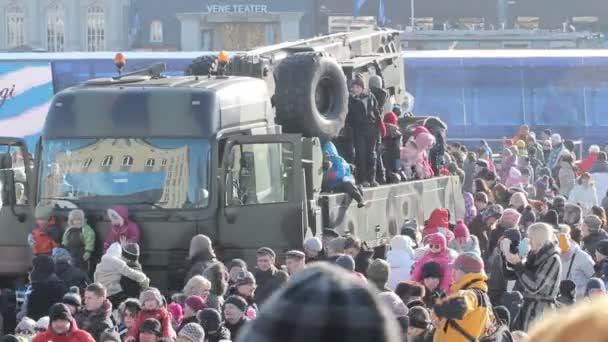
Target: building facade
column 209, row 25
column 64, row 25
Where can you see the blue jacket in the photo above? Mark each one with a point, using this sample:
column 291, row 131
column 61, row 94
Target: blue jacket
column 339, row 170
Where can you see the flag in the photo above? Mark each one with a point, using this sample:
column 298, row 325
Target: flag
column 381, row 16
column 357, row 4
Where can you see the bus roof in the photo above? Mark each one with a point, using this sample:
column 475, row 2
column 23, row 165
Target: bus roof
column 530, row 53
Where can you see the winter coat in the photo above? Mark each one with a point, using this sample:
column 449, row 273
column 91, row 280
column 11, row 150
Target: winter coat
column 268, row 282
column 363, row 114
column 130, row 287
column 539, row 279
column 581, row 270
column 584, row 195
column 553, row 157
column 601, row 270
column 468, row 307
column 438, row 223
column 479, row 229
column 222, row 334
column 401, row 260
column 444, row 260
column 362, row 261
column 96, row 322
column 160, row 314
column 567, row 179
column 129, row 229
column 498, row 276
column 495, row 235
column 111, row 269
column 587, row 163
column 591, row 241
column 470, row 211
column 74, row 335
column 46, row 237
column 340, row 170
column 236, row 328
column 392, row 147
column 600, row 166
column 470, row 245
column 72, row 275
column 44, row 294
column 216, row 274
column 469, row 176
column 79, row 241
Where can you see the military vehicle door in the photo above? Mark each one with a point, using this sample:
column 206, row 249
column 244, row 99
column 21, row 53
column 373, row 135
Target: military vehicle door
column 16, row 217
column 262, row 194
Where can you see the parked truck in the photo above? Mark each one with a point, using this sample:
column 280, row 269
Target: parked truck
column 232, row 152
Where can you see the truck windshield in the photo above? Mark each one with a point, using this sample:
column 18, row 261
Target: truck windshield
column 157, row 173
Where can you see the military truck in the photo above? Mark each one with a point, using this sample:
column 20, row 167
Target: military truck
column 234, row 155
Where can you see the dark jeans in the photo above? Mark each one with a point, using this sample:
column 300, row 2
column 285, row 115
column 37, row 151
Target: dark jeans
column 366, row 146
column 351, row 189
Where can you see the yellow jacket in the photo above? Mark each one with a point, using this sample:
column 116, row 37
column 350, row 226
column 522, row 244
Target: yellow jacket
column 466, row 307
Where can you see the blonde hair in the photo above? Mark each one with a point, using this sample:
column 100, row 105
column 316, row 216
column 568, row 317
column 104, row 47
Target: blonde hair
column 584, row 321
column 196, row 286
column 541, row 232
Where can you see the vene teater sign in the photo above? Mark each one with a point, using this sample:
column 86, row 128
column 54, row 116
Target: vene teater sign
column 237, row 9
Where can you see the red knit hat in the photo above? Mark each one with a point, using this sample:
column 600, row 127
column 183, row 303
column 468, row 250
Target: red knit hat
column 461, row 231
column 469, row 263
column 390, row 118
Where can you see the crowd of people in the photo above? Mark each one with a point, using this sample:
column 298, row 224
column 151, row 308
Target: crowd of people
column 533, row 239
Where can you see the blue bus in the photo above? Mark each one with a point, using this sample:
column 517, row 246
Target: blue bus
column 489, row 93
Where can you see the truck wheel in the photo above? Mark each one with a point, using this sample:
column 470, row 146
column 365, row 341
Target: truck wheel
column 200, row 65
column 311, row 95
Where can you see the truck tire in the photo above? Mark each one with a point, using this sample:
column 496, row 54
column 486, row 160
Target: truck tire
column 200, row 65
column 311, row 95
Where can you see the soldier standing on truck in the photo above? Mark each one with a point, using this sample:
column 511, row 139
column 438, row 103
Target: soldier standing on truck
column 376, row 87
column 363, row 117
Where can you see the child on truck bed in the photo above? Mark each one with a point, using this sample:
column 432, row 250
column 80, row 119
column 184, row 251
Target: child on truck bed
column 338, row 176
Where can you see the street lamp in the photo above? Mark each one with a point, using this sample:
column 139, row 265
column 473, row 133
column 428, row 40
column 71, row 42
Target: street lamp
column 412, row 17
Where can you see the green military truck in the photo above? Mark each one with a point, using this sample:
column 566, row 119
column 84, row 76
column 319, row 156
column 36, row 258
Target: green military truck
column 236, row 157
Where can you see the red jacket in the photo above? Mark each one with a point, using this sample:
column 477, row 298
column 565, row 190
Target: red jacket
column 162, row 315
column 74, row 335
column 586, row 164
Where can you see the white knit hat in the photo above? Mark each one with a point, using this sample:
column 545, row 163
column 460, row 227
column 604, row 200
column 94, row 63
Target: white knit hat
column 192, row 332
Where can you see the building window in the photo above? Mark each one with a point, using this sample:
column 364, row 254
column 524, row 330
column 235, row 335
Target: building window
column 55, row 28
column 15, row 26
column 156, row 31
column 127, row 161
column 207, row 40
column 107, row 161
column 87, row 163
column 163, row 162
column 96, row 28
column 150, row 162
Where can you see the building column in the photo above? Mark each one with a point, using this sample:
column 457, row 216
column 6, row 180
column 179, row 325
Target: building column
column 290, row 25
column 190, row 36
column 34, row 24
column 73, row 26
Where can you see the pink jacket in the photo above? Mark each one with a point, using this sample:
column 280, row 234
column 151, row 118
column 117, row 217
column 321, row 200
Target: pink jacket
column 442, row 258
column 130, row 230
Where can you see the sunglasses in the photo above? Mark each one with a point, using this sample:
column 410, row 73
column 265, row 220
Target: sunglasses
column 435, row 246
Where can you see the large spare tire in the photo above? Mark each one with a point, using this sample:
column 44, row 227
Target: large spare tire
column 200, row 65
column 311, row 95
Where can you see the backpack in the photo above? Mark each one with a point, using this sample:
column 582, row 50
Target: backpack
column 496, row 330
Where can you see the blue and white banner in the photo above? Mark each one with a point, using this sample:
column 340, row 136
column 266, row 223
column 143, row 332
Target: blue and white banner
column 26, row 90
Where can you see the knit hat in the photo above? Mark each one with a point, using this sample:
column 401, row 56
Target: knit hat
column 419, row 317
column 431, row 269
column 61, row 254
column 559, row 202
column 593, row 222
column 461, row 231
column 375, row 81
column 130, row 251
column 594, row 149
column 469, row 263
column 378, row 273
column 346, row 262
column 556, row 139
column 514, row 235
column 493, row 210
column 245, row 278
column 390, row 118
column 43, row 212
column 73, row 297
column 43, row 323
column 195, row 303
column 150, row 325
column 518, row 200
column 110, row 335
column 192, row 332
column 410, row 229
column 237, row 301
column 595, row 283
column 210, row 319
column 59, row 311
column 26, row 325
column 266, row 251
column 313, row 244
column 337, row 306
column 602, row 247
column 150, row 294
column 397, row 110
column 510, row 218
column 176, row 311
column 295, row 254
